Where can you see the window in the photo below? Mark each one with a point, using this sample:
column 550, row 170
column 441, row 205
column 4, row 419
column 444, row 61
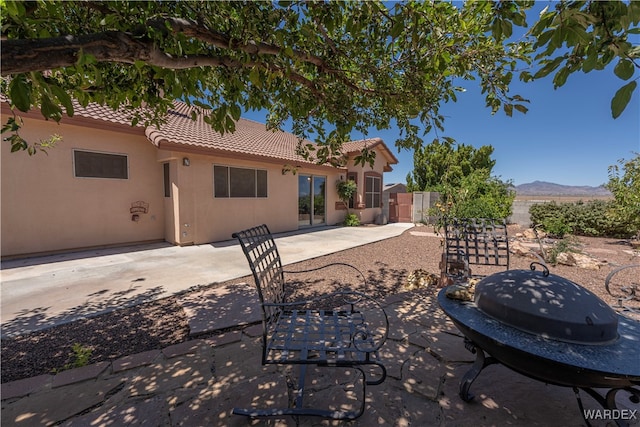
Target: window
column 167, row 179
column 88, row 164
column 353, row 176
column 239, row 182
column 373, row 185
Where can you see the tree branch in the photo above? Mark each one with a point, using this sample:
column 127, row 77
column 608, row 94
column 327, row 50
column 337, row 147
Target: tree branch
column 198, row 31
column 25, row 55
column 22, row 56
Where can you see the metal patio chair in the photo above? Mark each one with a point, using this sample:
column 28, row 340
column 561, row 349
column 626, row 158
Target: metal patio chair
column 328, row 331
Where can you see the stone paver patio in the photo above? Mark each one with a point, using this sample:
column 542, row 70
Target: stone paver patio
column 198, row 382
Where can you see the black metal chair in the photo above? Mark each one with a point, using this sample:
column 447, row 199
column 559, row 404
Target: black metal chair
column 327, row 331
column 626, row 291
column 472, row 241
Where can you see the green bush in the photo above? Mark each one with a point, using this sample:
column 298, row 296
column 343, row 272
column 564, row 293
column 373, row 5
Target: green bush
column 351, row 220
column 593, row 218
column 566, row 244
column 556, row 227
column 479, row 196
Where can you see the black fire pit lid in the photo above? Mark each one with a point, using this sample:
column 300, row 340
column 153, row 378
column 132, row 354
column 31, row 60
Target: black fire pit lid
column 547, row 305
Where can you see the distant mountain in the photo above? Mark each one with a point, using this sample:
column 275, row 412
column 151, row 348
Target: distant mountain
column 541, row 188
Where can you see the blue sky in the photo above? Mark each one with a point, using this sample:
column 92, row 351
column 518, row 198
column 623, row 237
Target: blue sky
column 567, row 137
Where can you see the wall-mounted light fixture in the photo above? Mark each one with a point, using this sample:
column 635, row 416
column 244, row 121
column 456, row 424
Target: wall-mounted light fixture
column 186, row 161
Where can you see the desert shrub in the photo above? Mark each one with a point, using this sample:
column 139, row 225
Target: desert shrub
column 351, row 220
column 624, row 183
column 592, row 218
column 556, row 227
column 566, row 244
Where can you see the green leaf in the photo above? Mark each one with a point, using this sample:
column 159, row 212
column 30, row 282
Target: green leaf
column 254, row 77
column 622, row 98
column 624, row 69
column 496, row 29
column 507, row 28
column 525, row 76
column 548, row 68
column 235, row 112
column 397, row 28
column 202, row 105
column 561, row 77
column 591, row 61
column 521, row 108
column 544, row 38
column 64, row 98
column 543, row 23
column 49, row 109
column 20, row 92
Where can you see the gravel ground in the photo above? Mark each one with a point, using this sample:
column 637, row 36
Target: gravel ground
column 385, row 264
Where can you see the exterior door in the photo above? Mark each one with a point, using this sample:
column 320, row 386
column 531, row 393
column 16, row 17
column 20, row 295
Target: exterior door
column 400, row 207
column 311, row 200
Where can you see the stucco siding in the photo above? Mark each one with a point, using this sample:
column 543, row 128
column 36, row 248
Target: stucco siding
column 212, row 219
column 368, row 215
column 47, row 208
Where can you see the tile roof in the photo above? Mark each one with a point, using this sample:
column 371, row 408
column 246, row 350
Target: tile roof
column 354, row 147
column 104, row 113
column 94, row 111
column 249, row 137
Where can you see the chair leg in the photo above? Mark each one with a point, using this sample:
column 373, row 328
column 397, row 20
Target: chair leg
column 297, row 408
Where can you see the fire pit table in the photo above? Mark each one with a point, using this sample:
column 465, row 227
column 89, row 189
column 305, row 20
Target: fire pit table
column 549, row 329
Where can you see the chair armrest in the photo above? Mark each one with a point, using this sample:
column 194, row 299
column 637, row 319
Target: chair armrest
column 628, row 295
column 616, row 271
column 333, row 264
column 351, row 298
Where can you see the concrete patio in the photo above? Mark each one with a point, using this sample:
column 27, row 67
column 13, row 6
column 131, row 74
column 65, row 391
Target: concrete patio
column 45, row 291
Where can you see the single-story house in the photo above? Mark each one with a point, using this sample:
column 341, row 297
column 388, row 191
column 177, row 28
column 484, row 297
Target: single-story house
column 109, row 183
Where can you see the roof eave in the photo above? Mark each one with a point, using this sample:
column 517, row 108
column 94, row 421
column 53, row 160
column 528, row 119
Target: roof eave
column 164, row 144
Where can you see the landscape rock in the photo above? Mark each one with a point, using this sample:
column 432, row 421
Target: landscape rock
column 421, row 279
column 518, row 248
column 578, row 260
column 529, row 233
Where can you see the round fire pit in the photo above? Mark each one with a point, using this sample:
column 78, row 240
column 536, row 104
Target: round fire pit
column 547, row 305
column 548, row 328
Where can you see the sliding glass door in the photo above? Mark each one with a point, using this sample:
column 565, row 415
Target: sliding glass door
column 311, row 200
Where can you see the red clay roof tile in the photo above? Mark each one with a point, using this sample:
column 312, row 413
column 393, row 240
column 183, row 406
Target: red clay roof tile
column 250, row 137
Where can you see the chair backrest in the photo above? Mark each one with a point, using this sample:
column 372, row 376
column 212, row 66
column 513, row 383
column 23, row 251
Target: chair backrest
column 263, row 257
column 480, row 241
